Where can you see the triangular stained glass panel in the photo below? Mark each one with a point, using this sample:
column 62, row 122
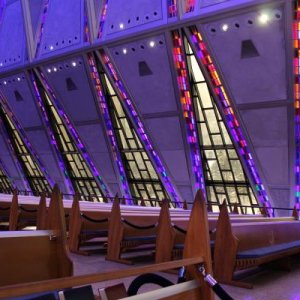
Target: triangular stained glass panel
column 142, row 177
column 30, row 166
column 224, row 175
column 78, row 170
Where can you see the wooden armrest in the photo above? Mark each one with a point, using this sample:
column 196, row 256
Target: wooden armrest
column 67, row 282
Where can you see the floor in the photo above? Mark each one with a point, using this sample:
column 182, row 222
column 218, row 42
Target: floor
column 268, row 284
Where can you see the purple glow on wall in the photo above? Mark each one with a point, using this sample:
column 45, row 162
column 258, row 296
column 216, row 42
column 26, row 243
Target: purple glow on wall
column 61, row 164
column 102, row 18
column 231, row 120
column 296, row 38
column 76, row 137
column 109, row 127
column 2, row 7
column 140, row 129
column 188, row 113
column 42, row 26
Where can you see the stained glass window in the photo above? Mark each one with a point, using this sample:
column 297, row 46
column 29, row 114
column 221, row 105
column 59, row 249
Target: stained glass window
column 224, row 175
column 142, row 177
column 77, row 168
column 30, row 167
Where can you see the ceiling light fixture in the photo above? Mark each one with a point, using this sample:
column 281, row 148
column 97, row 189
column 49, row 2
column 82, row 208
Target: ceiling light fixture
column 152, row 44
column 225, row 27
column 264, row 18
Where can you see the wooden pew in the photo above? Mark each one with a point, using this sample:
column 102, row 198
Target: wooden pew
column 127, row 231
column 241, row 246
column 4, row 215
column 172, row 231
column 84, row 226
column 89, row 220
column 27, row 256
column 196, row 252
column 23, row 215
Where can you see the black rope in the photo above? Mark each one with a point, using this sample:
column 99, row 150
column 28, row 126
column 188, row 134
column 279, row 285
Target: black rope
column 145, row 279
column 94, row 220
column 138, row 226
column 28, row 209
column 179, row 229
column 5, row 208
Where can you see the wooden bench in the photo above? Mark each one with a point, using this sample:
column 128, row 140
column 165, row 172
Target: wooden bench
column 27, row 256
column 172, row 231
column 127, row 231
column 196, row 251
column 241, row 246
column 27, row 214
column 4, row 215
column 85, row 225
column 90, row 220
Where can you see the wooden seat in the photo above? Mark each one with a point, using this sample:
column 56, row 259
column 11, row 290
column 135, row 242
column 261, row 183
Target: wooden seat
column 129, row 231
column 241, row 246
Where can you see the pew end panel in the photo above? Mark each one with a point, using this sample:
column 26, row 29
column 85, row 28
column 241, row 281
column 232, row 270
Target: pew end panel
column 165, row 235
column 197, row 242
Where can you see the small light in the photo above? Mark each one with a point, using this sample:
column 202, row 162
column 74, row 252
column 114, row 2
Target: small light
column 225, row 27
column 152, row 44
column 49, row 70
column 121, row 26
column 51, row 47
column 264, row 18
column 19, row 79
column 74, row 64
column 4, row 82
column 1, row 64
column 55, row 69
column 124, row 50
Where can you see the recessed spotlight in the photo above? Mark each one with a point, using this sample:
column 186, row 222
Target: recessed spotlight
column 5, row 82
column 49, row 70
column 55, row 69
column 264, row 18
column 51, row 47
column 1, row 64
column 19, row 79
column 121, row 26
column 124, row 51
column 152, row 44
column 74, row 64
column 225, row 27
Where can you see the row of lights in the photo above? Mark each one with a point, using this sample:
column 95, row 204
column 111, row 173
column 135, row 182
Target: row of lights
column 122, row 25
column 55, row 69
column 151, row 44
column 263, row 19
column 51, row 47
column 5, row 82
